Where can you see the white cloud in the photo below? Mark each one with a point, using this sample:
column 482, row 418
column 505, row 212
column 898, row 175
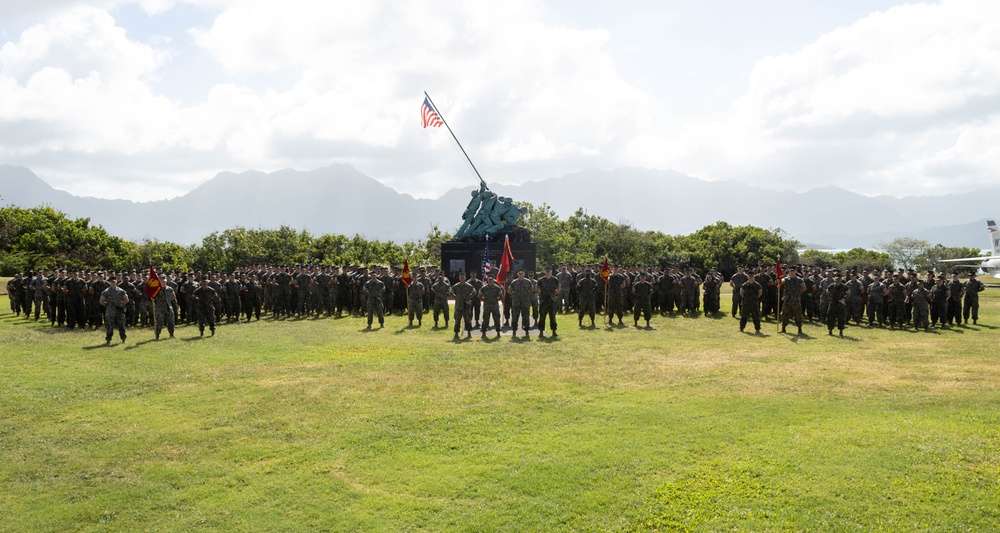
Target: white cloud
column 878, row 107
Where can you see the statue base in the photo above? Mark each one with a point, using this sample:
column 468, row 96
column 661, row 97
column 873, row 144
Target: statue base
column 458, row 257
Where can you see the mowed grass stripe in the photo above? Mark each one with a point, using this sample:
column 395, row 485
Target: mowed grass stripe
column 319, row 425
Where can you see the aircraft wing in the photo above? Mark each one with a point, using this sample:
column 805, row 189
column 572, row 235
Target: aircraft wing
column 985, row 258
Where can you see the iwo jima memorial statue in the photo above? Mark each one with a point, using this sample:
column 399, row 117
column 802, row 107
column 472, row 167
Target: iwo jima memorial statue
column 488, row 219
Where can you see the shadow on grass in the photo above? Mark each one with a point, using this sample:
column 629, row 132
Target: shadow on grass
column 98, row 346
column 796, row 337
column 197, row 338
column 140, row 343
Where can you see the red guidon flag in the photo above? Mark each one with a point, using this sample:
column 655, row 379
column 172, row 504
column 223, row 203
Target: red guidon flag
column 153, row 285
column 505, row 261
column 605, row 270
column 778, row 273
column 405, row 276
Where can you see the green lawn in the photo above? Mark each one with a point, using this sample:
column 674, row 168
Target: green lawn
column 319, row 425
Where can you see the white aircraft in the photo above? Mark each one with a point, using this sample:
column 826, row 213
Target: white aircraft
column 989, row 264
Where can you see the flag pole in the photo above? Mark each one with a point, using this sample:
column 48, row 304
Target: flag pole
column 779, row 298
column 438, row 111
column 153, row 301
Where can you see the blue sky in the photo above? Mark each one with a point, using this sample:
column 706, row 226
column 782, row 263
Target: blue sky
column 147, row 99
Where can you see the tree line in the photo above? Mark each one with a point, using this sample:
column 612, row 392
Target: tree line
column 41, row 237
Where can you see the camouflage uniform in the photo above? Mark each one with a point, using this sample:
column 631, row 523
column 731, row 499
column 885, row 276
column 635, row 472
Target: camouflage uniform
column 520, row 293
column 939, row 303
column 897, row 309
column 205, row 298
column 115, row 299
column 490, row 295
column 736, row 282
column 464, row 294
column 374, row 289
column 164, row 309
column 876, row 294
column 750, row 294
column 415, row 302
column 920, row 302
column 642, row 292
column 856, row 302
column 586, row 293
column 689, row 294
column 836, row 314
column 711, row 295
column 791, row 302
column 39, row 294
column 563, row 302
column 956, row 288
column 440, row 291
column 971, row 308
column 616, row 288
column 549, row 289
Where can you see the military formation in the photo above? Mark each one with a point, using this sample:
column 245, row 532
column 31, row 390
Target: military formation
column 116, row 301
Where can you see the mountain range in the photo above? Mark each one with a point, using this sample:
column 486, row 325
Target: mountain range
column 340, row 199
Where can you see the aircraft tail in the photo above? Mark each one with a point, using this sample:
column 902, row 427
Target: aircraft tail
column 991, row 226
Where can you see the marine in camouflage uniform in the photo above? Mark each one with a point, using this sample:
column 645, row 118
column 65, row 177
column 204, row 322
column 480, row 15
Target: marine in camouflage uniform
column 477, row 285
column 750, row 294
column 877, row 291
column 303, row 284
column 76, row 313
column 586, row 294
column 205, row 298
column 956, row 289
column 791, row 300
column 710, row 287
column 836, row 314
column 490, row 295
column 971, row 308
column 920, row 303
column 616, row 288
column 642, row 292
column 114, row 299
column 549, row 301
column 40, row 296
column 374, row 290
column 164, row 308
column 252, row 296
column 665, row 293
column 232, row 288
column 440, row 291
column 689, row 293
column 13, row 294
column 897, row 300
column 565, row 278
column 464, row 294
column 415, row 301
column 940, row 295
column 520, row 293
column 856, row 302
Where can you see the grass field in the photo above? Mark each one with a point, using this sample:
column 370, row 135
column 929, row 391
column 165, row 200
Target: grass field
column 318, row 425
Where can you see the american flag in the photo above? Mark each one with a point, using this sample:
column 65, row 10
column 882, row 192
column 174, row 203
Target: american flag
column 991, row 226
column 487, row 268
column 429, row 115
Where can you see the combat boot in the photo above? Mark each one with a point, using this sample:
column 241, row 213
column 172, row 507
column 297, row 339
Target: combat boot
column 800, row 331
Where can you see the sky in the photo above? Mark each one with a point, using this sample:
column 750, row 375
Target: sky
column 147, row 99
